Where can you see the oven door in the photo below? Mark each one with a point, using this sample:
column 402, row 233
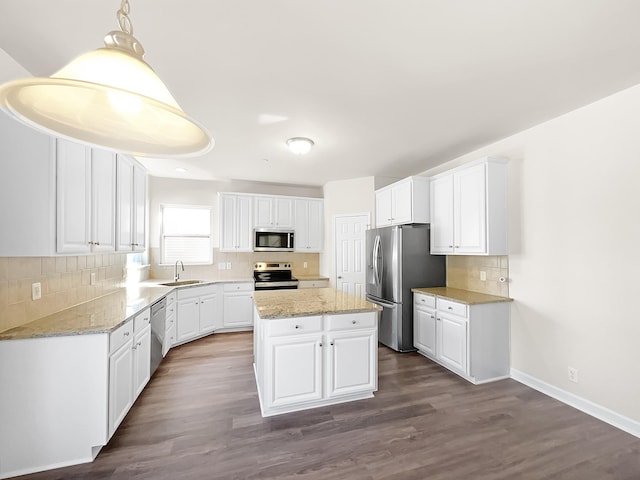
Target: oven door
column 268, row 240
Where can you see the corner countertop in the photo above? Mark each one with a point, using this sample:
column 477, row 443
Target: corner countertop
column 102, row 314
column 308, row 301
column 463, row 296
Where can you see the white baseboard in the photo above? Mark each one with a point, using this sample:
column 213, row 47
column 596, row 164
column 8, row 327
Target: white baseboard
column 601, row 413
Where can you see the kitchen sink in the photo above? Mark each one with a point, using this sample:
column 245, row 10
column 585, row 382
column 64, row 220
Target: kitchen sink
column 182, row 282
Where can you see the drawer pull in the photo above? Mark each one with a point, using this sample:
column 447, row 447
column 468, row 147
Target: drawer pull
column 353, row 322
column 297, row 326
column 450, row 308
column 432, row 316
column 126, row 334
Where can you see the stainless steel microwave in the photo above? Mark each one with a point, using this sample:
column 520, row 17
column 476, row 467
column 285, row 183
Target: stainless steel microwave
column 272, row 240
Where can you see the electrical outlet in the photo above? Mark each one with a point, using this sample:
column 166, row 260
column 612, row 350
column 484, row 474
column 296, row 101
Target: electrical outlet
column 92, row 279
column 228, row 265
column 572, row 373
column 305, row 264
column 483, row 276
column 36, row 291
column 222, row 266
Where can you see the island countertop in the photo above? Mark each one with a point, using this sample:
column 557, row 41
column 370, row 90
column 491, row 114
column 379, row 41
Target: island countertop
column 308, row 301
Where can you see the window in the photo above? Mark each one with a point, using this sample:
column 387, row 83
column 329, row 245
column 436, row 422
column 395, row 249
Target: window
column 186, row 235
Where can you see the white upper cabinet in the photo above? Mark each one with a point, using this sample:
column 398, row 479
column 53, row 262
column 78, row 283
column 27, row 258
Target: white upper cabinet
column 469, row 209
column 236, row 225
column 276, row 212
column 73, row 177
column 131, row 202
column 103, row 205
column 57, row 197
column 403, row 202
column 85, row 206
column 309, row 225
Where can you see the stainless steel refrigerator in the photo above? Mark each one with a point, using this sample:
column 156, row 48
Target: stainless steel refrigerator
column 398, row 260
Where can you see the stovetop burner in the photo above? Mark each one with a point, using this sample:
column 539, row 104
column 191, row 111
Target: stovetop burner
column 273, row 276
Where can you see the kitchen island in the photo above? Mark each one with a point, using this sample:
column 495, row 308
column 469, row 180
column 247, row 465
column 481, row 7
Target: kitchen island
column 313, row 347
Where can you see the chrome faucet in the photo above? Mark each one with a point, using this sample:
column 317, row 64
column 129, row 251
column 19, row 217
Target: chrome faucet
column 176, row 275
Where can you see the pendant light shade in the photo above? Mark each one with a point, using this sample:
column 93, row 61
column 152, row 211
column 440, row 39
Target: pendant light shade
column 110, row 98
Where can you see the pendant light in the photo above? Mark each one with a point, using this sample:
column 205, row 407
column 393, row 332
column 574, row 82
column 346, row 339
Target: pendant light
column 109, row 98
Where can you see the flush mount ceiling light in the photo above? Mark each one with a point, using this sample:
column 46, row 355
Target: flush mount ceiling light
column 300, row 145
column 110, row 98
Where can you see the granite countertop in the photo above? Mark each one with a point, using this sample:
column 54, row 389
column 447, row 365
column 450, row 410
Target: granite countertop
column 463, row 296
column 311, row 277
column 308, row 301
column 102, row 314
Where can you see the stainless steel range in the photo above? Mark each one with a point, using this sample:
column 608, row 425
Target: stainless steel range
column 273, row 276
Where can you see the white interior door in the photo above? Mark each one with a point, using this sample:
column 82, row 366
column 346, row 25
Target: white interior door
column 350, row 253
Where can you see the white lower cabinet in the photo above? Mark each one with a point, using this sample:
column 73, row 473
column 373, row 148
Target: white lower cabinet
column 129, row 366
column 306, row 362
column 295, row 364
column 199, row 312
column 170, row 323
column 470, row 340
column 238, row 305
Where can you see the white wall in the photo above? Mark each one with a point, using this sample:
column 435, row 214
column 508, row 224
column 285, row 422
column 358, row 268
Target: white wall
column 574, row 225
column 343, row 197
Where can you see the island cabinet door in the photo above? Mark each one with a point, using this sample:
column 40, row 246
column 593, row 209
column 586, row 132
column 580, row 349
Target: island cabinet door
column 294, row 370
column 351, row 362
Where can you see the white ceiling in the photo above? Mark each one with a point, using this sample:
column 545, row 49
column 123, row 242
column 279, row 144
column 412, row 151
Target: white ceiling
column 384, row 87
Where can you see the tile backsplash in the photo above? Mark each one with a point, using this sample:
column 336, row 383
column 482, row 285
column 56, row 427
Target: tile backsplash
column 241, row 265
column 65, row 282
column 464, row 272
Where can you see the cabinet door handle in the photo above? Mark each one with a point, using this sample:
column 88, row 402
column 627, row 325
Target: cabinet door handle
column 457, row 246
column 449, row 308
column 320, row 344
column 431, row 316
column 353, row 322
column 297, row 326
column 133, row 347
column 331, row 344
column 139, row 343
column 126, row 334
column 450, row 246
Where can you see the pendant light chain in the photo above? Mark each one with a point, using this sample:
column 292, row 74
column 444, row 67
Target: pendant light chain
column 123, row 17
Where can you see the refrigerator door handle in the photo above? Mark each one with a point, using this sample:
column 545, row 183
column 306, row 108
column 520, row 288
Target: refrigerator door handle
column 382, row 303
column 376, row 247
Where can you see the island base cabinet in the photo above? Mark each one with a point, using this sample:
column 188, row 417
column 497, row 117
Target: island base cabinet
column 295, row 365
column 308, row 362
column 352, row 363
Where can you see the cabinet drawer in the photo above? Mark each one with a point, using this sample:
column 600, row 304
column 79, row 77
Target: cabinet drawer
column 294, row 326
column 451, row 307
column 171, row 298
column 350, row 321
column 422, row 300
column 238, row 287
column 141, row 320
column 313, row 283
column 120, row 336
column 170, row 321
column 195, row 292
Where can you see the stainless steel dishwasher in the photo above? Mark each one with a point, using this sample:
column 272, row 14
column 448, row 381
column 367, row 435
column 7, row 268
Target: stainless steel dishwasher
column 158, row 319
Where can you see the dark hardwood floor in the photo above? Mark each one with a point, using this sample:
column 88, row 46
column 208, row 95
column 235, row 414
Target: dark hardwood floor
column 199, row 419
